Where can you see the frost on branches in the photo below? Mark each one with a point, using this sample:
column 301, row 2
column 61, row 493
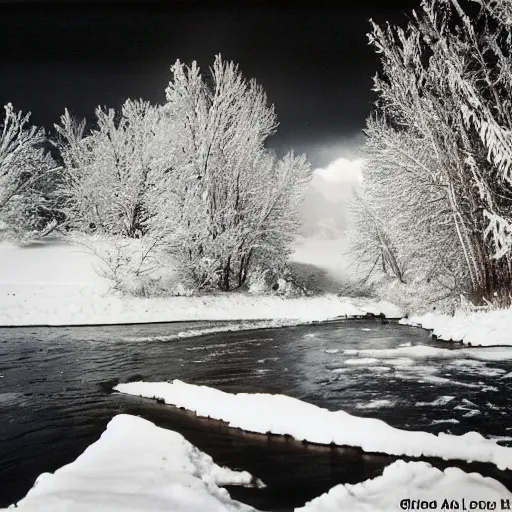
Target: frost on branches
column 439, row 150
column 108, row 171
column 192, row 175
column 27, row 174
column 227, row 203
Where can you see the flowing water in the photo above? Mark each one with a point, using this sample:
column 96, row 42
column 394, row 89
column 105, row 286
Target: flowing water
column 56, row 396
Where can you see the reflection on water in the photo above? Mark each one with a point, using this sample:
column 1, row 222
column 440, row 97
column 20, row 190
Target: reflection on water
column 55, row 396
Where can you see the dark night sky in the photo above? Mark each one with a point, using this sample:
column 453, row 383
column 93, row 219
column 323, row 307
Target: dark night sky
column 313, row 60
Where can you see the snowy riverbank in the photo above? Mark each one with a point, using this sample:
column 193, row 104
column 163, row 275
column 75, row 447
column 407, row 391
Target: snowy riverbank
column 56, row 284
column 136, row 466
column 59, row 305
column 487, row 328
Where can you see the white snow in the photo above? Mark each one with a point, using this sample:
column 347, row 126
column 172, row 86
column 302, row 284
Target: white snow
column 361, row 361
column 54, row 283
column 477, row 368
column 400, row 362
column 425, row 352
column 442, row 400
column 240, row 325
column 501, row 439
column 412, row 481
column 376, row 404
column 282, row 415
column 137, row 467
column 471, row 414
column 475, row 328
column 425, row 374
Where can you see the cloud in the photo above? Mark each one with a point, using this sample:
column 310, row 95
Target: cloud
column 341, row 170
column 336, row 180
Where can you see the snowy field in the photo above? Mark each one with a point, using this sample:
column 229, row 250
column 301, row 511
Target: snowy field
column 279, row 414
column 55, row 284
column 138, row 467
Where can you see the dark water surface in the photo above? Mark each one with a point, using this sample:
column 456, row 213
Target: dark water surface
column 56, row 399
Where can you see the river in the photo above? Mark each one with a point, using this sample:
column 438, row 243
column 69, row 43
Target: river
column 56, row 396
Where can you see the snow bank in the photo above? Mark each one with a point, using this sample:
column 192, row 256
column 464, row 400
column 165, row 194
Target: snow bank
column 136, row 466
column 477, row 328
column 282, row 415
column 44, row 305
column 402, row 482
column 54, row 283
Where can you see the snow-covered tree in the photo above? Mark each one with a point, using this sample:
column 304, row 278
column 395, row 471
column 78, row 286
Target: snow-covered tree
column 402, row 221
column 193, row 174
column 226, row 201
column 108, row 171
column 439, row 145
column 27, row 172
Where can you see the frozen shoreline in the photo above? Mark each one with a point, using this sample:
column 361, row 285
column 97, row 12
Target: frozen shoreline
column 283, row 415
column 478, row 329
column 136, row 466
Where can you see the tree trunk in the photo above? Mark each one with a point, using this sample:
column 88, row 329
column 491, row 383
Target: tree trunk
column 244, row 268
column 225, row 275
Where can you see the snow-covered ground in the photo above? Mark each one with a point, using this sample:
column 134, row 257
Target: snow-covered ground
column 279, row 414
column 409, row 486
column 137, row 467
column 54, row 283
column 483, row 328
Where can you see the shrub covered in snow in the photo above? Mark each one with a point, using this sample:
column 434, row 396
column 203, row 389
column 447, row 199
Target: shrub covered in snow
column 136, row 267
column 278, row 281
